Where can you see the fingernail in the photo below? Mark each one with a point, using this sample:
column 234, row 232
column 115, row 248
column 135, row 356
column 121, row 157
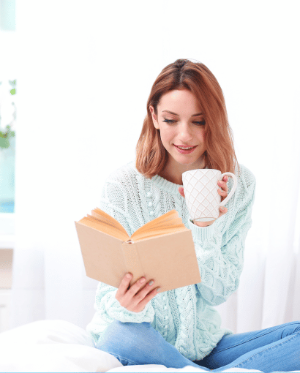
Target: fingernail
column 128, row 275
column 158, row 289
column 222, row 208
column 151, row 282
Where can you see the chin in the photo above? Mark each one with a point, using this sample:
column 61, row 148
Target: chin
column 185, row 160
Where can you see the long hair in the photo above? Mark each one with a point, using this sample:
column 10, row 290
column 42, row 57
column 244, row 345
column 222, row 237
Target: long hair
column 151, row 156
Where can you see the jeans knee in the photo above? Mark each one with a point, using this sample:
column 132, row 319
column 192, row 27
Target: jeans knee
column 118, row 331
column 292, row 327
column 296, row 326
column 130, row 327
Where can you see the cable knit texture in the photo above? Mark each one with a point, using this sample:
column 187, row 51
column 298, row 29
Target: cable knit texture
column 186, row 316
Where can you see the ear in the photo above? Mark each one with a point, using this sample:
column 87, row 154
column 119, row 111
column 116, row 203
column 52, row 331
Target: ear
column 154, row 119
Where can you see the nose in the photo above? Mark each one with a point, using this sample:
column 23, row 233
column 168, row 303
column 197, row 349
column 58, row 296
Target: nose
column 185, row 133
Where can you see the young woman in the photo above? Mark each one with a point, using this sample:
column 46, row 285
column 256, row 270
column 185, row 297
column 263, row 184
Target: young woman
column 139, row 325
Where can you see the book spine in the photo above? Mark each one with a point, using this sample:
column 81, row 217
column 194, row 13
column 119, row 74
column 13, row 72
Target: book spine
column 132, row 261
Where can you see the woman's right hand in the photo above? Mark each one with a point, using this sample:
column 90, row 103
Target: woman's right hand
column 136, row 297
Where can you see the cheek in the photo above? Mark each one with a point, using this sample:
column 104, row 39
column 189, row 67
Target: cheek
column 203, row 136
column 167, row 136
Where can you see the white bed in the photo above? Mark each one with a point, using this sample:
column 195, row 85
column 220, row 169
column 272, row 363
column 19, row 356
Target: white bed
column 60, row 346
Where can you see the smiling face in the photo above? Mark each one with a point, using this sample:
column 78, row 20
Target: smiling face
column 181, row 122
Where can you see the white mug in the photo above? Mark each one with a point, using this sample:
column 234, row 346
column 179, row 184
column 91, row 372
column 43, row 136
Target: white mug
column 201, row 193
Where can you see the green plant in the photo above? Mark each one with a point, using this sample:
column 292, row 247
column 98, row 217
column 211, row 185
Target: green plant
column 8, row 132
column 5, row 136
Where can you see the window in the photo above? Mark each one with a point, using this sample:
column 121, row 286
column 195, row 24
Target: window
column 7, row 145
column 8, row 107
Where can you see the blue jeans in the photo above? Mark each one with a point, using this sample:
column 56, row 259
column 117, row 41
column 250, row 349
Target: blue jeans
column 268, row 350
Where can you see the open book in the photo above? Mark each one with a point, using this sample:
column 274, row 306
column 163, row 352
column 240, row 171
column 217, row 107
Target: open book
column 162, row 249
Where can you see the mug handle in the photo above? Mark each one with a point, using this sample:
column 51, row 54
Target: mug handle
column 233, row 188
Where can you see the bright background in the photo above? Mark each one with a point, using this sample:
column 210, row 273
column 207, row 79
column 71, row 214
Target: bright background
column 85, row 70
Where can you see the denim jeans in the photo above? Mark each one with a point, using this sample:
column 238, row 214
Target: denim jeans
column 268, row 350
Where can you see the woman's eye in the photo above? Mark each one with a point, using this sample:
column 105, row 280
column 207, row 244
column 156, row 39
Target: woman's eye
column 172, row 121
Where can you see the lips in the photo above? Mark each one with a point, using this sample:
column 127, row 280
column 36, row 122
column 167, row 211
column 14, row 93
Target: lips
column 185, row 146
column 185, row 151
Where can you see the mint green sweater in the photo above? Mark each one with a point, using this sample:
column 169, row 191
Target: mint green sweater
column 185, row 317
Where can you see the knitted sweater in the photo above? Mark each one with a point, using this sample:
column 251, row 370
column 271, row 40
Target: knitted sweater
column 185, row 317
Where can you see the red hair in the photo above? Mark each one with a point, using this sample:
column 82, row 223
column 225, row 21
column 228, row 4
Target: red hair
column 151, row 156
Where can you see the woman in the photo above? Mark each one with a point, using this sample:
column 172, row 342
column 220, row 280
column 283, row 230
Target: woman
column 139, row 325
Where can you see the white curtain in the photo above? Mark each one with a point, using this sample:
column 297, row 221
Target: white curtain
column 85, row 71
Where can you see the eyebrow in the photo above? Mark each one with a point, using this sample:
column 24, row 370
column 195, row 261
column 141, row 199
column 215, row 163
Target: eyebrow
column 177, row 114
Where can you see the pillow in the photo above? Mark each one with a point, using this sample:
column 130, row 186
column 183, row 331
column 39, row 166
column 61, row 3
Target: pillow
column 58, row 357
column 47, row 331
column 52, row 346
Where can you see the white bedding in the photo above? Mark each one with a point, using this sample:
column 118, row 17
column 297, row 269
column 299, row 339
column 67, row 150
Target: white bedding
column 60, row 346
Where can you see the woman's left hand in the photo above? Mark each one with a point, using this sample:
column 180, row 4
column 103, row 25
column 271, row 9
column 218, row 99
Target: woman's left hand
column 223, row 193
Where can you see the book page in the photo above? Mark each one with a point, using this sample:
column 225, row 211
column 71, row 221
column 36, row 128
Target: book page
column 106, row 218
column 163, row 219
column 158, row 232
column 167, row 223
column 106, row 222
column 171, row 222
column 114, row 231
column 175, row 223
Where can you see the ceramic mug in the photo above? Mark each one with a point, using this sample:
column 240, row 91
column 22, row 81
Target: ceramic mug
column 201, row 193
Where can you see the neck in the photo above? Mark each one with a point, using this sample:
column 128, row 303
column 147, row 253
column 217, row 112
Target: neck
column 173, row 171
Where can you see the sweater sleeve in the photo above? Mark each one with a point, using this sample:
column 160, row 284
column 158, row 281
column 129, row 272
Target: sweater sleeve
column 114, row 202
column 221, row 256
